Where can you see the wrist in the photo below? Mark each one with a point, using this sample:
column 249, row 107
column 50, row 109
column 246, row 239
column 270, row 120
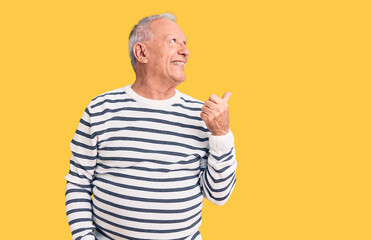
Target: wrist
column 221, row 144
column 220, row 133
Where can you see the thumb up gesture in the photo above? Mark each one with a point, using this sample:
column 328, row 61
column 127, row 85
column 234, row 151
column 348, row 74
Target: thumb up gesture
column 215, row 114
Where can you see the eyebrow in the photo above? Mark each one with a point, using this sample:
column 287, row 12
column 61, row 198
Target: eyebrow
column 176, row 36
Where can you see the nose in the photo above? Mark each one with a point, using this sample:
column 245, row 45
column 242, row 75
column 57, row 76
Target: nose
column 183, row 50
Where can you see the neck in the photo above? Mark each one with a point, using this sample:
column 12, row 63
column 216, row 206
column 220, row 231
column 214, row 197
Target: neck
column 153, row 88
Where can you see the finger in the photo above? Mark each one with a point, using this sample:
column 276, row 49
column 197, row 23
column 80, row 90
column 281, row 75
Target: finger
column 210, row 104
column 226, row 96
column 214, row 98
column 207, row 110
column 204, row 117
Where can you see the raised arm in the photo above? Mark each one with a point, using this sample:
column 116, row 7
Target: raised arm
column 219, row 177
column 79, row 180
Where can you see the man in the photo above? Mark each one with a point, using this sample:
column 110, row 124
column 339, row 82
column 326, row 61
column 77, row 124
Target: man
column 148, row 153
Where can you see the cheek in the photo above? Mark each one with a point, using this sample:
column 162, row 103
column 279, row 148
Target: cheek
column 159, row 60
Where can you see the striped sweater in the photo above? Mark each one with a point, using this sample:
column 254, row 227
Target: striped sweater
column 140, row 168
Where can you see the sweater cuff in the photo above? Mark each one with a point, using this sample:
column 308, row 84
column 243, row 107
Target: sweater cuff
column 221, row 144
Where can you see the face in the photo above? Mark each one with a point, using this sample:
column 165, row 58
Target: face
column 167, row 53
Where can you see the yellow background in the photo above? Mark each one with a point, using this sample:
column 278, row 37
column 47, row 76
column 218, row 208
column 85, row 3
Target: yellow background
column 300, row 110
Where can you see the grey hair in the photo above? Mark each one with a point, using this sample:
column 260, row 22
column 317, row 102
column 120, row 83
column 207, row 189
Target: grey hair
column 141, row 32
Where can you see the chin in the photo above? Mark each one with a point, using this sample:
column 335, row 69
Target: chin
column 179, row 79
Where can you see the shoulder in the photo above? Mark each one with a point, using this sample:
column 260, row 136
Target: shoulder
column 188, row 100
column 111, row 96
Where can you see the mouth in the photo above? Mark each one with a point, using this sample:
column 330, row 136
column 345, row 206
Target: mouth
column 178, row 63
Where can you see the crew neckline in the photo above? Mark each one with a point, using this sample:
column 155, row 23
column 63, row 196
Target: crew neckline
column 138, row 98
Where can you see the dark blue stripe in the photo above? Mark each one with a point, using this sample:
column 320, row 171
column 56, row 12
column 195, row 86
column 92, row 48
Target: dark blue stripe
column 152, row 131
column 222, row 156
column 145, row 189
column 221, row 170
column 146, row 160
column 221, row 179
column 195, row 235
column 102, row 233
column 80, row 237
column 109, row 93
column 133, row 119
column 113, row 101
column 190, row 101
column 215, row 189
column 132, row 149
column 222, row 198
column 108, row 110
column 146, row 230
column 99, row 229
column 153, row 141
column 164, row 170
column 77, row 220
column 87, row 111
column 78, row 155
column 188, row 108
column 84, row 145
column 150, row 200
column 144, row 220
column 77, row 175
column 78, row 200
column 79, row 210
column 80, row 190
column 147, row 210
column 122, row 175
column 84, row 134
column 82, row 121
column 81, row 230
column 82, row 167
column 228, row 158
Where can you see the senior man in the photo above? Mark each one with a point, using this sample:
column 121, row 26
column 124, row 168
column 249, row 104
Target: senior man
column 148, row 153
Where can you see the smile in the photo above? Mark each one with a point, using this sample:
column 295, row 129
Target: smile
column 179, row 63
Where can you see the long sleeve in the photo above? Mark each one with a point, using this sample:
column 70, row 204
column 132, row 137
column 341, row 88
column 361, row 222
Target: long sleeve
column 79, row 180
column 219, row 177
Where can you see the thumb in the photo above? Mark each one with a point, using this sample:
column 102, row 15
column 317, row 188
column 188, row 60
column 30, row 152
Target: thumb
column 226, row 96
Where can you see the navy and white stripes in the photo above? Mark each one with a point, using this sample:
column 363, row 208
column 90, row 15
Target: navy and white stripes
column 148, row 164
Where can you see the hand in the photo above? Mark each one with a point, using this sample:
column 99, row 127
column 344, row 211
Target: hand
column 215, row 114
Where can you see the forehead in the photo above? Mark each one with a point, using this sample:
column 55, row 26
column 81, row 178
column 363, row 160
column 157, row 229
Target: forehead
column 164, row 27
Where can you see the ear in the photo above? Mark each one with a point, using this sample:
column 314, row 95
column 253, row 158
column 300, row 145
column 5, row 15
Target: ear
column 140, row 50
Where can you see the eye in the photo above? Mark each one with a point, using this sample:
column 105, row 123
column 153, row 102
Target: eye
column 173, row 40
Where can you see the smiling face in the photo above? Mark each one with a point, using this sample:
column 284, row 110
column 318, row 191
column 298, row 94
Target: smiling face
column 167, row 52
